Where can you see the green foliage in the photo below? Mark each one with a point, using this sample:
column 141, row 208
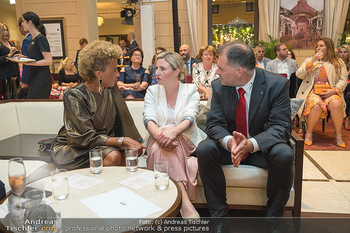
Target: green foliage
column 344, row 38
column 233, row 32
column 269, row 45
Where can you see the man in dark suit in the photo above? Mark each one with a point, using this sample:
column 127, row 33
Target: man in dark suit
column 133, row 43
column 185, row 52
column 82, row 42
column 266, row 110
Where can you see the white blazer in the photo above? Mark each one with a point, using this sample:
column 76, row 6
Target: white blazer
column 187, row 105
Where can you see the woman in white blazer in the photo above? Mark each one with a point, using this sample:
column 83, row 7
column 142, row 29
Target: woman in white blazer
column 323, row 68
column 171, row 109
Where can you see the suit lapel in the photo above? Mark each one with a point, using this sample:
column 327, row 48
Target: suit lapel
column 162, row 102
column 181, row 95
column 258, row 92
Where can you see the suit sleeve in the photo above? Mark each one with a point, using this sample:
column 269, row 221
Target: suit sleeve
column 217, row 126
column 268, row 66
column 150, row 109
column 278, row 128
column 192, row 107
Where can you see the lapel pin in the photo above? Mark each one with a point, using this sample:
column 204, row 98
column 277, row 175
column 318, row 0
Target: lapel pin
column 261, row 93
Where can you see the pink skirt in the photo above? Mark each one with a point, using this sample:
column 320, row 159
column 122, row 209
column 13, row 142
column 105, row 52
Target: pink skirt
column 182, row 166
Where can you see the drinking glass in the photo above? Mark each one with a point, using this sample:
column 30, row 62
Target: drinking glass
column 34, row 198
column 131, row 160
column 17, row 176
column 161, row 175
column 60, row 186
column 96, row 163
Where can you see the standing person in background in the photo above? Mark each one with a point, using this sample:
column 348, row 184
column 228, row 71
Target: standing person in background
column 261, row 60
column 326, row 69
column 40, row 79
column 152, row 80
column 344, row 53
column 133, row 43
column 205, row 72
column 82, row 42
column 185, row 52
column 9, row 72
column 122, row 44
column 25, row 69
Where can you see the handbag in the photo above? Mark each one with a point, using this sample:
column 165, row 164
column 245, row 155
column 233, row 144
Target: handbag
column 318, row 88
column 44, row 146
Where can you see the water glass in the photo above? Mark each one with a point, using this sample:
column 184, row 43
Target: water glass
column 60, row 186
column 161, row 175
column 131, row 160
column 96, row 161
column 34, row 197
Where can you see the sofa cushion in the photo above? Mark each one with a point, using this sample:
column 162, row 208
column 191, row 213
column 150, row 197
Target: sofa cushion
column 8, row 122
column 244, row 176
column 40, row 117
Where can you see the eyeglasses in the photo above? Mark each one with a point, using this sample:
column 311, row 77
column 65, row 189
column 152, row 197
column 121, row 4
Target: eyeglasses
column 137, row 55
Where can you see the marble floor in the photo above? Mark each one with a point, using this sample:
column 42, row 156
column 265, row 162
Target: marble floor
column 326, row 182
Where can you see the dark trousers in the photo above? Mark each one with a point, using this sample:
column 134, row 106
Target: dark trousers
column 9, row 88
column 280, row 164
column 347, row 99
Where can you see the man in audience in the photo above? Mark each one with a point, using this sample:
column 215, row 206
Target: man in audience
column 82, row 42
column 261, row 60
column 152, row 68
column 133, row 43
column 248, row 123
column 282, row 64
column 25, row 69
column 122, row 44
column 185, row 52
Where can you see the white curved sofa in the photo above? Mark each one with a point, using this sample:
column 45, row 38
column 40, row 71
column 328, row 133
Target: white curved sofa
column 246, row 185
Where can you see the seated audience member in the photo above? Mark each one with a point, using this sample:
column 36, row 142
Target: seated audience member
column 205, row 72
column 261, row 141
column 152, row 68
column 82, row 42
column 282, row 64
column 56, row 91
column 185, row 52
column 291, row 54
column 326, row 69
column 133, row 79
column 67, row 75
column 261, row 60
column 95, row 114
column 294, row 81
column 344, row 52
column 170, row 113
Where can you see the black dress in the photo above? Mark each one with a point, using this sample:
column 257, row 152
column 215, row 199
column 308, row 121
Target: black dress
column 40, row 79
column 67, row 78
column 9, row 74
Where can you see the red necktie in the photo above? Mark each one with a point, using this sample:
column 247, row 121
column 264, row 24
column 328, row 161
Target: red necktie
column 241, row 116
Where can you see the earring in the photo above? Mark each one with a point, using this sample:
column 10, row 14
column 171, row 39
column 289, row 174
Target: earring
column 99, row 86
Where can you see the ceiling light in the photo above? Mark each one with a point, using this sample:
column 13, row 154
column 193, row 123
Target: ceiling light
column 12, row 1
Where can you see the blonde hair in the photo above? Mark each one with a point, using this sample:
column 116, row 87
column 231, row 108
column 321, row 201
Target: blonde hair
column 347, row 47
column 63, row 65
column 175, row 61
column 2, row 27
column 95, row 57
column 209, row 48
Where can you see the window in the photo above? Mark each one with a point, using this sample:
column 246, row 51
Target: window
column 249, row 6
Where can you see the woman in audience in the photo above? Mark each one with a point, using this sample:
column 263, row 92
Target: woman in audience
column 95, row 114
column 40, row 76
column 68, row 74
column 205, row 72
column 171, row 109
column 291, row 54
column 9, row 72
column 344, row 52
column 133, row 79
column 323, row 68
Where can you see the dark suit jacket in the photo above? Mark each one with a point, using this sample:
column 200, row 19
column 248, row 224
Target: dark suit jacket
column 131, row 47
column 25, row 71
column 269, row 111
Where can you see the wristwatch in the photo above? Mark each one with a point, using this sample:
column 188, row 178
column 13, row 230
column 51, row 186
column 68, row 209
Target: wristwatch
column 120, row 141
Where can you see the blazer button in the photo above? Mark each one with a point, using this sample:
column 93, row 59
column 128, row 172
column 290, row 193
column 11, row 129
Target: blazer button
column 307, row 81
column 302, row 93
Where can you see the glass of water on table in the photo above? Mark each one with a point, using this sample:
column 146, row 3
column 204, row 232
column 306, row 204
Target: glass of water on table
column 161, row 175
column 131, row 160
column 96, row 161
